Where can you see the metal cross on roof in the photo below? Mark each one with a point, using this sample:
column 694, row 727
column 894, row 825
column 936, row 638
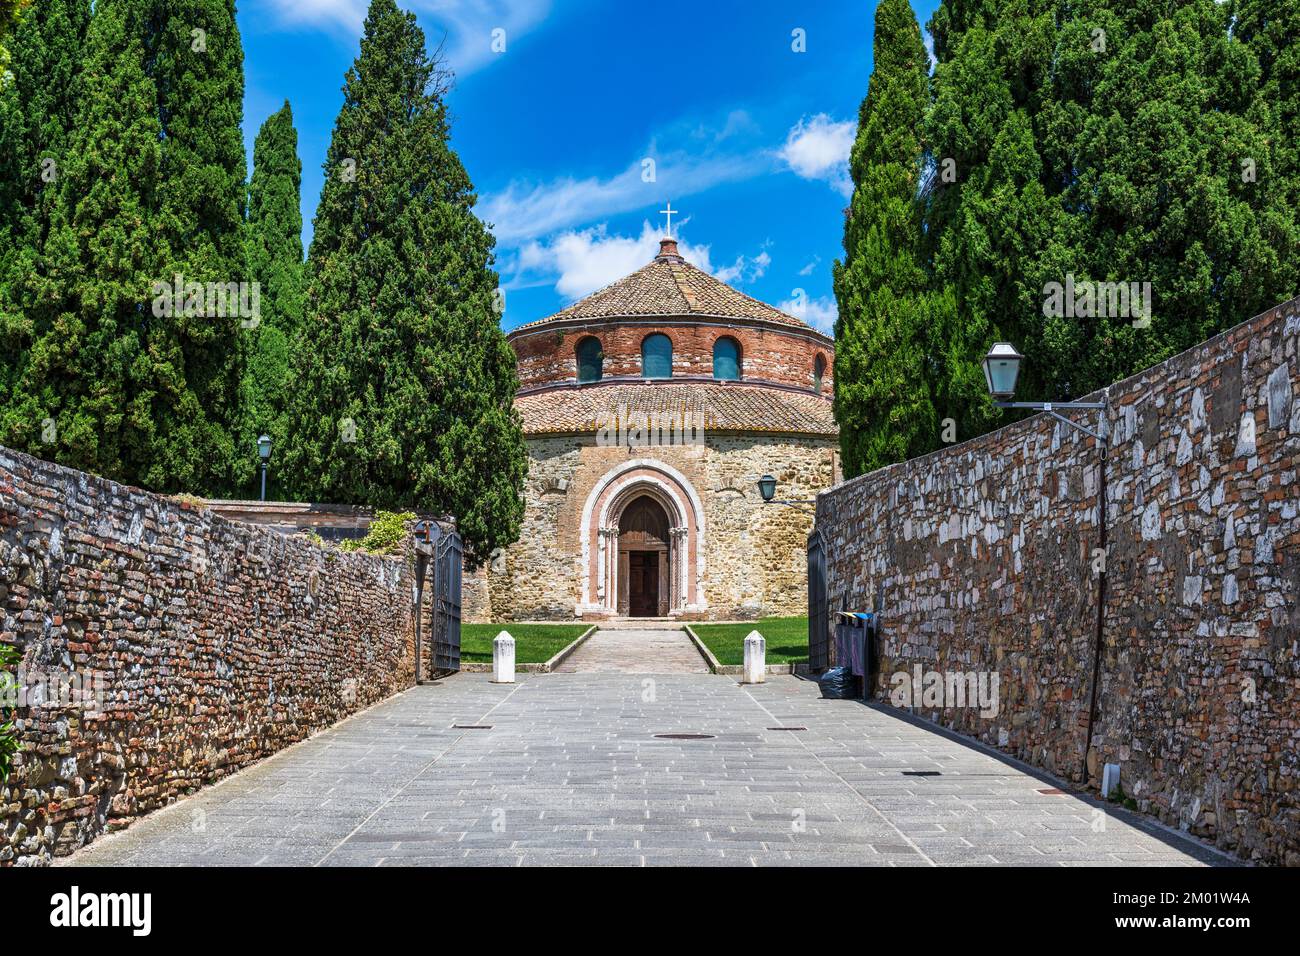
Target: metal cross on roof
column 670, row 212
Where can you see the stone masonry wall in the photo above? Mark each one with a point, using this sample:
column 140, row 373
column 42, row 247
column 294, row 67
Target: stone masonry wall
column 212, row 643
column 755, row 554
column 981, row 560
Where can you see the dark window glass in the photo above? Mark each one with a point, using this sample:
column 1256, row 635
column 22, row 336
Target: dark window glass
column 657, row 356
column 726, row 360
column 591, row 360
column 819, row 371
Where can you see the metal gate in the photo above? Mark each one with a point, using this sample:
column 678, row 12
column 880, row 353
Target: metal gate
column 818, row 623
column 439, row 560
column 447, row 558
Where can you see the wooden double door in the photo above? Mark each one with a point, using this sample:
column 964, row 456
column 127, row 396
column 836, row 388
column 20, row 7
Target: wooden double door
column 643, row 562
column 643, row 583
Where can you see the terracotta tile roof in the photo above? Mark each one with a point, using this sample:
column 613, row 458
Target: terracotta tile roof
column 669, row 286
column 748, row 408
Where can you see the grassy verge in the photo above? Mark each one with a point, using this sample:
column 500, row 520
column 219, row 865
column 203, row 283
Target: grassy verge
column 534, row 643
column 787, row 639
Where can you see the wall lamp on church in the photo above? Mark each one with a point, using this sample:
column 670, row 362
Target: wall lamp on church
column 767, row 491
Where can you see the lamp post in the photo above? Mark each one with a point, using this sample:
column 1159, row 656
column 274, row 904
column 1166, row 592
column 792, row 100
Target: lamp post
column 767, row 491
column 1001, row 372
column 264, row 453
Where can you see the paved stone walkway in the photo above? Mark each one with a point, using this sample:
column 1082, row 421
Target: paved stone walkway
column 571, row 772
column 665, row 650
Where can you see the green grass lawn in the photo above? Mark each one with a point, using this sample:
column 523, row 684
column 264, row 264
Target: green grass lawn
column 534, row 643
column 787, row 639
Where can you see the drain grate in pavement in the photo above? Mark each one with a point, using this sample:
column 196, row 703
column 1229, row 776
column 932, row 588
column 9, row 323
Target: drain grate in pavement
column 1053, row 791
column 685, row 736
column 787, row 728
column 922, row 773
column 471, row 726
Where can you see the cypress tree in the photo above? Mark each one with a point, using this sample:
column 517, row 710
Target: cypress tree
column 882, row 396
column 275, row 262
column 404, row 381
column 201, row 195
column 1158, row 193
column 987, row 211
column 11, row 11
column 127, row 384
column 37, row 107
column 1269, row 29
column 1096, row 142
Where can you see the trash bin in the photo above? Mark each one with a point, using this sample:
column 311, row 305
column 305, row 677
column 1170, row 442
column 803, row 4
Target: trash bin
column 855, row 633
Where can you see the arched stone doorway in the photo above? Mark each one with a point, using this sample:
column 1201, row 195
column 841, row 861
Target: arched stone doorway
column 655, row 506
column 644, row 559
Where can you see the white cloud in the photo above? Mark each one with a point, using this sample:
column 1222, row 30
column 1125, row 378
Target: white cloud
column 745, row 268
column 347, row 14
column 583, row 261
column 818, row 148
column 526, row 211
column 808, row 269
column 820, row 312
column 468, row 24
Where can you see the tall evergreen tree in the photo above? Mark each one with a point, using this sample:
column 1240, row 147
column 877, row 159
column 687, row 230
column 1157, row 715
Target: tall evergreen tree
column 199, row 69
column 38, row 104
column 1269, row 29
column 1099, row 142
column 118, row 380
column 275, row 262
column 404, row 381
column 987, row 211
column 1158, row 192
column 11, row 12
column 882, row 394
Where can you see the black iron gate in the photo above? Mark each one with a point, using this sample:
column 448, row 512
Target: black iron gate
column 447, row 558
column 818, row 624
column 439, row 561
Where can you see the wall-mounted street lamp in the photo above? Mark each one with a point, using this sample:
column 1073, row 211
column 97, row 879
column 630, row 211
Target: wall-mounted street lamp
column 767, row 491
column 264, row 453
column 1001, row 372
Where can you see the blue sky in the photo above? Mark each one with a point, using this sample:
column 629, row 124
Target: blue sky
column 749, row 138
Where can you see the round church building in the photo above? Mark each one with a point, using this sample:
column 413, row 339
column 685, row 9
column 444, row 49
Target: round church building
column 651, row 408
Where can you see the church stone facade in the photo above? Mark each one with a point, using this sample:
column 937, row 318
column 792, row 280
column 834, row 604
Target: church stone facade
column 651, row 408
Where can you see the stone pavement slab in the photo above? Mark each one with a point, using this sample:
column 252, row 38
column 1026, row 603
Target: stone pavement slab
column 624, row 650
column 572, row 773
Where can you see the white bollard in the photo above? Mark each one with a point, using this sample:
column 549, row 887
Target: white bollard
column 503, row 659
column 755, row 659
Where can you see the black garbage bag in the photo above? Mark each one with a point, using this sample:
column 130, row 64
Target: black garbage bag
column 837, row 684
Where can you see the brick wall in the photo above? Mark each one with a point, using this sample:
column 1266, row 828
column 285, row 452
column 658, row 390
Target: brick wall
column 981, row 558
column 215, row 644
column 768, row 353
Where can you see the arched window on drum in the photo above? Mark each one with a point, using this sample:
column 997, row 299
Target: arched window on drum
column 591, row 360
column 726, row 359
column 657, row 356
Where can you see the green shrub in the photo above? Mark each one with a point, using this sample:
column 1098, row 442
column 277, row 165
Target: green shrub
column 387, row 531
column 9, row 657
